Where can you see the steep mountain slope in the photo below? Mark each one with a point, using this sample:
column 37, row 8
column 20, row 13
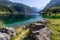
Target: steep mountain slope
column 17, row 7
column 51, row 10
column 53, row 3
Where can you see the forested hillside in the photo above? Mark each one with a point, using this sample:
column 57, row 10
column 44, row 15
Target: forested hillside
column 51, row 10
column 16, row 7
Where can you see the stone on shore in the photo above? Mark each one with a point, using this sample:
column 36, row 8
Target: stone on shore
column 39, row 31
column 6, row 33
column 44, row 21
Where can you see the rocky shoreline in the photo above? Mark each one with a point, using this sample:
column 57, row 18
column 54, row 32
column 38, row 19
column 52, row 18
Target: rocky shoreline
column 38, row 31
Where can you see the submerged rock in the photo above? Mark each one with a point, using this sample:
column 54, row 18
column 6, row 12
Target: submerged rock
column 39, row 31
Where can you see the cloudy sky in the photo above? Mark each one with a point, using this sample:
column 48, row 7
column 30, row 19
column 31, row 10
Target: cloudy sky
column 33, row 3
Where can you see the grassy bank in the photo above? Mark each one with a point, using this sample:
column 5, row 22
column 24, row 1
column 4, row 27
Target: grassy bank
column 51, row 16
column 20, row 33
column 54, row 26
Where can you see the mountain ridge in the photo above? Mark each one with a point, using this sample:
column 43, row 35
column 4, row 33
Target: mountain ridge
column 19, row 7
column 53, row 3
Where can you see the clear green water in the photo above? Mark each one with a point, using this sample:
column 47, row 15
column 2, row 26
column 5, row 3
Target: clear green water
column 23, row 21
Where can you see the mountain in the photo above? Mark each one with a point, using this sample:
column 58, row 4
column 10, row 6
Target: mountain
column 35, row 9
column 53, row 7
column 17, row 7
column 12, row 12
column 53, row 3
column 5, row 2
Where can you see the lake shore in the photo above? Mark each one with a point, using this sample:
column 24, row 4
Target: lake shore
column 22, row 32
column 54, row 25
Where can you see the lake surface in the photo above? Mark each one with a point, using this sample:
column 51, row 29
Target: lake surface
column 35, row 17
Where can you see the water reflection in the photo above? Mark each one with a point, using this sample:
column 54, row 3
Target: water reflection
column 35, row 17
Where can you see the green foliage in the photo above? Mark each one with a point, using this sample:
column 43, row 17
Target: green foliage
column 51, row 10
column 54, row 16
column 12, row 38
column 5, row 8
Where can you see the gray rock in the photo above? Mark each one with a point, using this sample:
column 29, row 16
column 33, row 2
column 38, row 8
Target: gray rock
column 6, row 33
column 11, row 31
column 44, row 21
column 39, row 31
column 4, row 36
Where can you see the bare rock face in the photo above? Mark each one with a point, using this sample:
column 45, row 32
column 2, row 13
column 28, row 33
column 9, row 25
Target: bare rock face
column 6, row 33
column 39, row 31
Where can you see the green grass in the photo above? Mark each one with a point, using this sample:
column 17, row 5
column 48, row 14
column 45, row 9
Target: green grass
column 1, row 24
column 54, row 26
column 20, row 33
column 53, row 16
column 12, row 38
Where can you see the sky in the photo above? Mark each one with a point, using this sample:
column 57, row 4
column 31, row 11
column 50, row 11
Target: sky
column 33, row 3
